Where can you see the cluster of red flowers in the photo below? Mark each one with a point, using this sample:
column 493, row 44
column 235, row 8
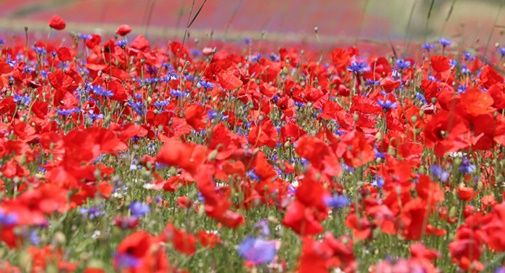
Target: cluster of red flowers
column 356, row 155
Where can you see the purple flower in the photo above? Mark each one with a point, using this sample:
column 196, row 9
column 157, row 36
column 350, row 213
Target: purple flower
column 262, row 225
column 212, row 114
column 126, row 261
column 439, row 173
column 34, row 237
column 92, row 212
column 421, row 97
column 177, row 93
column 100, row 91
column 22, row 99
column 161, row 104
column 122, row 43
column 387, row 105
column 7, row 218
column 402, row 64
column 378, row 181
column 257, row 250
column 137, row 106
column 444, row 42
column 253, row 176
column 466, row 166
column 358, row 67
column 67, row 112
column 205, row 84
column 428, row 47
column 139, row 209
column 337, row 201
column 502, row 51
column 468, row 56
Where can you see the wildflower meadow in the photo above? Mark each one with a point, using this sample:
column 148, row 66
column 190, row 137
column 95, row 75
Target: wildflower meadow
column 123, row 154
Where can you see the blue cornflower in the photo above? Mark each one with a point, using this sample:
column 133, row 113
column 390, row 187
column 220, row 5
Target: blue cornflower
column 461, row 89
column 379, row 154
column 189, row 77
column 299, row 104
column 138, row 209
column 358, row 67
column 196, row 52
column 255, row 58
column 44, row 74
column 137, row 106
column 257, row 250
column 421, row 97
column 337, row 201
column 177, row 93
column 100, row 91
column 200, row 197
column 468, row 56
column 7, row 218
column 161, row 104
column 205, row 84
column 428, row 47
column 122, row 43
column 126, row 261
column 84, row 36
column 67, row 112
column 502, row 51
column 444, row 42
column 466, row 167
column 347, row 168
column 387, row 104
column 92, row 116
column 274, row 57
column 370, row 82
column 378, row 181
column 402, row 64
column 339, row 132
column 40, row 50
column 253, row 176
column 28, row 69
column 439, row 172
column 92, row 212
column 465, row 70
column 22, row 99
column 453, row 63
column 134, row 165
column 34, row 237
column 212, row 114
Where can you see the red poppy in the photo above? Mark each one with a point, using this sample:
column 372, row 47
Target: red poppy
column 476, row 102
column 123, row 30
column 57, row 23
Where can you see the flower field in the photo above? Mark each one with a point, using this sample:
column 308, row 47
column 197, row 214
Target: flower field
column 121, row 154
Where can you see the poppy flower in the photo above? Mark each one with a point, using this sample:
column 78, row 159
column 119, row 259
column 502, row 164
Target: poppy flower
column 123, row 30
column 57, row 23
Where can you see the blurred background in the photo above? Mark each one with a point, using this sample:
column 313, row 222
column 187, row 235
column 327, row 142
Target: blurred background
column 291, row 20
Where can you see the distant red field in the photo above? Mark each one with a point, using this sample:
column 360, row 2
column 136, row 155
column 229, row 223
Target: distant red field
column 336, row 17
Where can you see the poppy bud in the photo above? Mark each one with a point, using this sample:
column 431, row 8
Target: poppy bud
column 59, row 238
column 123, row 30
column 212, row 155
